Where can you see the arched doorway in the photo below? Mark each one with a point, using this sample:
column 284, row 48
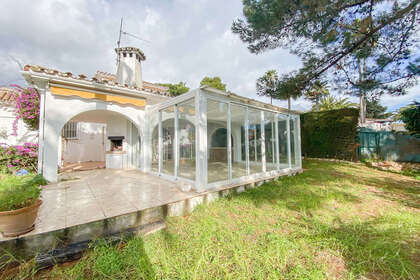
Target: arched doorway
column 218, row 145
column 99, row 139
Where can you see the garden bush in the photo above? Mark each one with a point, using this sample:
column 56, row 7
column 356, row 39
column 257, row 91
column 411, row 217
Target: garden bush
column 14, row 158
column 330, row 134
column 19, row 191
column 27, row 107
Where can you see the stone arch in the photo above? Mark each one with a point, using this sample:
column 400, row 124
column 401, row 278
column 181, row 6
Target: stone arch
column 59, row 110
column 137, row 125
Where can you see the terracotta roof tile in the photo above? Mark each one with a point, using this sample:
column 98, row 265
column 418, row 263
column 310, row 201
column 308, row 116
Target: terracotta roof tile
column 7, row 95
column 100, row 77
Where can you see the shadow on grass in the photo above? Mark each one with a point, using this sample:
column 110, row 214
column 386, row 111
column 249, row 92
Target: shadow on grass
column 393, row 187
column 125, row 260
column 296, row 197
column 404, row 192
column 306, row 191
column 379, row 249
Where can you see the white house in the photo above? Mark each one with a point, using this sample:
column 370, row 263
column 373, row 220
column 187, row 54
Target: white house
column 205, row 138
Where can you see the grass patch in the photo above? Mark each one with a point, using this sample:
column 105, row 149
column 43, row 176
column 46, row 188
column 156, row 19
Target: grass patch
column 334, row 221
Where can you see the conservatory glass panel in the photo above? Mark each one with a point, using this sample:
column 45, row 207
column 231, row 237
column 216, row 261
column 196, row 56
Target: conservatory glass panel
column 168, row 137
column 270, row 141
column 217, row 141
column 238, row 125
column 292, row 140
column 254, row 135
column 282, row 145
column 186, row 126
column 154, row 122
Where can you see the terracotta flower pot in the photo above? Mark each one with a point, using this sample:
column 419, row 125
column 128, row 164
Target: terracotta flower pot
column 20, row 221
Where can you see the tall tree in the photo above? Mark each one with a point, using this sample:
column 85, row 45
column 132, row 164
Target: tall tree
column 410, row 115
column 375, row 110
column 214, row 82
column 365, row 44
column 319, row 89
column 177, row 89
column 271, row 85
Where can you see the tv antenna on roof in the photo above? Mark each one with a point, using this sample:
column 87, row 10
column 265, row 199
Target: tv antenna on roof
column 122, row 32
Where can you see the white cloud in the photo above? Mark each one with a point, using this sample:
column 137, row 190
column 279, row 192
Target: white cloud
column 188, row 40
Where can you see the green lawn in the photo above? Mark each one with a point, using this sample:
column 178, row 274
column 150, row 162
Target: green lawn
column 334, row 221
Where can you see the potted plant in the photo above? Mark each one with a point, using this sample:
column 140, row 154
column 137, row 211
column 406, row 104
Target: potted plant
column 19, row 203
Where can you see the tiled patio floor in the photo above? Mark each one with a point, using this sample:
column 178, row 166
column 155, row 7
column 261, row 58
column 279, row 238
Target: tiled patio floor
column 93, row 195
column 82, row 166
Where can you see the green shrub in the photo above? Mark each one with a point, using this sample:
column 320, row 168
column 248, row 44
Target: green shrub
column 18, row 192
column 14, row 158
column 330, row 134
column 410, row 115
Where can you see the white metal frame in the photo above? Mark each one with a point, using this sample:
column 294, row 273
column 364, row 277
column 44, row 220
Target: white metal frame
column 200, row 97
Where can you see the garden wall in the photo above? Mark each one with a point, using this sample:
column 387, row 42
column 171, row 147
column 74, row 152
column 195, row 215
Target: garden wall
column 388, row 145
column 330, row 134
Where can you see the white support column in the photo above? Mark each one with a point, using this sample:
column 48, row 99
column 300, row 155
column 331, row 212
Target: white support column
column 276, row 131
column 289, row 158
column 176, row 142
column 262, row 130
column 247, row 141
column 255, row 143
column 52, row 132
column 146, row 144
column 160, row 145
column 130, row 148
column 299, row 142
column 201, row 141
column 229, row 143
column 41, row 131
column 273, row 141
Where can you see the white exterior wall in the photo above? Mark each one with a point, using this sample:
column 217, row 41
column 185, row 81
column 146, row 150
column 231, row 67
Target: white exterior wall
column 7, row 117
column 129, row 71
column 59, row 110
column 89, row 145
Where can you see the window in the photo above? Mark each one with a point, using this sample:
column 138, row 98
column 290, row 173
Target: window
column 168, row 139
column 217, row 139
column 238, row 127
column 282, row 138
column 70, row 130
column 270, row 141
column 186, row 136
column 154, row 122
column 254, row 136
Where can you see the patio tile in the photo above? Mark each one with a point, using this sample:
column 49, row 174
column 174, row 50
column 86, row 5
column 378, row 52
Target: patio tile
column 102, row 193
column 84, row 215
column 142, row 204
column 119, row 209
column 113, row 206
column 50, row 223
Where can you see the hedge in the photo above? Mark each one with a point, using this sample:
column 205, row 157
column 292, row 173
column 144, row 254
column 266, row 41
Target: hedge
column 330, row 134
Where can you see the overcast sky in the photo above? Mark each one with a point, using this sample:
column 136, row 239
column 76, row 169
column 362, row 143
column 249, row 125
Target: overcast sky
column 187, row 41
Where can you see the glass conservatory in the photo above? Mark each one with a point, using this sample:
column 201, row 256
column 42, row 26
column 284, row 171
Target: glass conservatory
column 208, row 138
